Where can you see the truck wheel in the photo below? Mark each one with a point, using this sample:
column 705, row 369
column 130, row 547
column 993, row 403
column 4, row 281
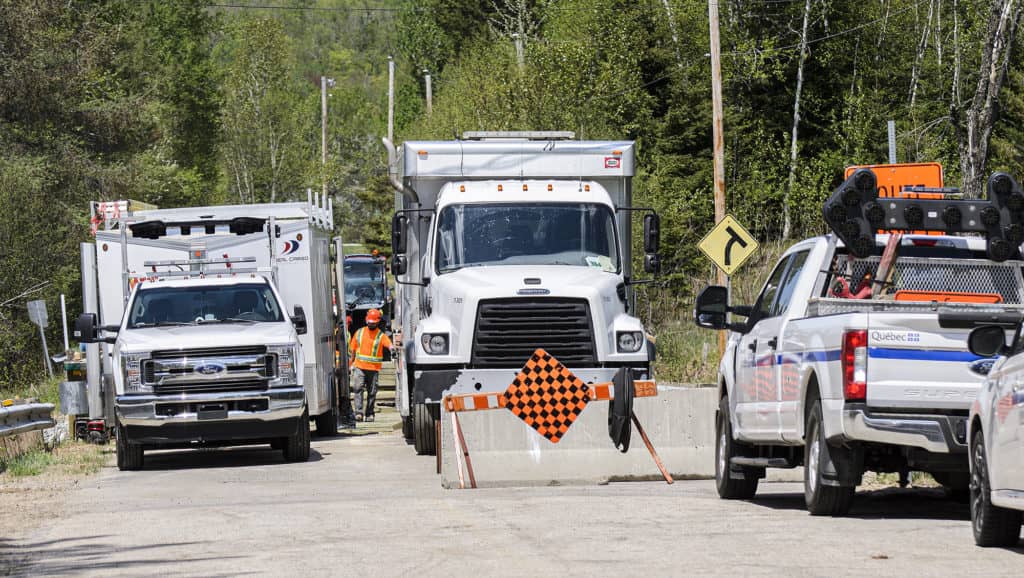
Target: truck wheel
column 129, row 455
column 725, row 448
column 992, row 525
column 296, row 447
column 327, row 422
column 424, row 417
column 408, row 431
column 822, row 499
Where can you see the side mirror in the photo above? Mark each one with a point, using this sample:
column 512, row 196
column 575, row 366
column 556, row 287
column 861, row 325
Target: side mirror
column 712, row 305
column 652, row 233
column 85, row 328
column 987, row 341
column 399, row 265
column 399, row 243
column 652, row 263
column 299, row 320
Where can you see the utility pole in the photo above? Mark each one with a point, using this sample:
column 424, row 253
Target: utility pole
column 430, row 91
column 324, row 83
column 391, row 99
column 718, row 138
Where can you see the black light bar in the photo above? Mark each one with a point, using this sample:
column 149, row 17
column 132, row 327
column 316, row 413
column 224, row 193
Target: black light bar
column 855, row 212
column 237, row 226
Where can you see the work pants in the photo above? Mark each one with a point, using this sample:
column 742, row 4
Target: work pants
column 364, row 379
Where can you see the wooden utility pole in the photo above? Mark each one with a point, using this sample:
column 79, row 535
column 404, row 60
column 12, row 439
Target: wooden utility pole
column 323, row 130
column 391, row 99
column 719, row 140
column 430, row 91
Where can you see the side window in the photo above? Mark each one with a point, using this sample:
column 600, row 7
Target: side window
column 796, row 266
column 767, row 297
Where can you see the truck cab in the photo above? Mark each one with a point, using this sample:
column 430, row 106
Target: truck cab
column 506, row 245
column 366, row 288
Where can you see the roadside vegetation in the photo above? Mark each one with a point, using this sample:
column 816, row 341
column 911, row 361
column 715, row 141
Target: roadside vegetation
column 186, row 102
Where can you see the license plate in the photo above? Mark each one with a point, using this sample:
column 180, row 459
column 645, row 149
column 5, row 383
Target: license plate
column 213, row 411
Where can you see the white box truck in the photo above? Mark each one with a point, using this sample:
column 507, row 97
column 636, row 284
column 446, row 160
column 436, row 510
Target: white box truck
column 217, row 324
column 504, row 243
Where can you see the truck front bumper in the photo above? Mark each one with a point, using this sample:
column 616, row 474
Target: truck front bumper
column 433, row 384
column 934, row 433
column 234, row 416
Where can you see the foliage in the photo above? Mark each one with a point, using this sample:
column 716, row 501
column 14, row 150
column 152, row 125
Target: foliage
column 180, row 103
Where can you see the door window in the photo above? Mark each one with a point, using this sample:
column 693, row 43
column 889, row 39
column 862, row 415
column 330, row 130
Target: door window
column 796, row 266
column 766, row 300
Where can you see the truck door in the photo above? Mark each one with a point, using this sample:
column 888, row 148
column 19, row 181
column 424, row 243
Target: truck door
column 1006, row 459
column 755, row 363
column 784, row 394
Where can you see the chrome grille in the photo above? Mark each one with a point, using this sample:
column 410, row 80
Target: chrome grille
column 210, row 387
column 509, row 330
column 210, row 370
column 210, row 351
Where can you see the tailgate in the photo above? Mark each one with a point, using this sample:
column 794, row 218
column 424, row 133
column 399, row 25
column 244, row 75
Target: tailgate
column 915, row 364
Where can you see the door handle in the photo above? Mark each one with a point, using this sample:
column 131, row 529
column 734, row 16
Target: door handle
column 773, row 342
column 752, row 345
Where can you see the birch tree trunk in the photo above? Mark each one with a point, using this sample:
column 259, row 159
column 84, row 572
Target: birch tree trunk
column 787, row 224
column 974, row 126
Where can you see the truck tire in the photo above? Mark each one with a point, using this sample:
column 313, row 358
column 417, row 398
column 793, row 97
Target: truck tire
column 327, row 422
column 296, row 447
column 408, row 431
column 725, row 448
column 992, row 525
column 424, row 416
column 822, row 499
column 130, row 456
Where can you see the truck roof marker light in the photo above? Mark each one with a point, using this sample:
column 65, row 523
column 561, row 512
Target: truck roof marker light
column 586, row 188
column 462, row 188
column 616, row 152
column 525, row 188
column 550, row 187
column 854, row 360
column 499, row 188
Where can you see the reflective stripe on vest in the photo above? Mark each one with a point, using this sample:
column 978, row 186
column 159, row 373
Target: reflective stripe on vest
column 376, row 355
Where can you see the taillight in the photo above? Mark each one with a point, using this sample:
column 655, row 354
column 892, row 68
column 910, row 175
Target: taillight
column 855, row 365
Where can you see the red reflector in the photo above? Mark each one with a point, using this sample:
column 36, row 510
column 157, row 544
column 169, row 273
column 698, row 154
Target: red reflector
column 924, row 242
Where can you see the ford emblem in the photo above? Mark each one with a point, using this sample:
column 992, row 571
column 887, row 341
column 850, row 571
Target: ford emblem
column 210, row 368
column 982, row 366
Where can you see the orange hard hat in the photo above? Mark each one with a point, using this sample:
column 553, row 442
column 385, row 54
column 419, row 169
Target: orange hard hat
column 373, row 316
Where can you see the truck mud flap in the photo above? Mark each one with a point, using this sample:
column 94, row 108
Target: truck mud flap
column 620, row 410
column 843, row 466
column 431, row 384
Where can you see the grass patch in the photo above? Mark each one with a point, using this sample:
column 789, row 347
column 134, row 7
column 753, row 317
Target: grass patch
column 46, row 391
column 70, row 458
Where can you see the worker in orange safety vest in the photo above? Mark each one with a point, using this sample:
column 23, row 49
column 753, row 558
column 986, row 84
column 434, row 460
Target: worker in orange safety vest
column 366, row 353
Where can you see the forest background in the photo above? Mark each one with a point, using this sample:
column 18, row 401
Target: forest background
column 189, row 102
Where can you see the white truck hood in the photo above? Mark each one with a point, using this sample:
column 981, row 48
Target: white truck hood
column 208, row 335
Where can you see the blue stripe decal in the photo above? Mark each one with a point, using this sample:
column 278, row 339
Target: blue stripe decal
column 921, row 354
column 808, row 357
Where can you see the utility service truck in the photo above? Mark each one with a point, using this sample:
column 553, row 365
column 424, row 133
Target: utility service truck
column 854, row 356
column 366, row 288
column 216, row 325
column 504, row 243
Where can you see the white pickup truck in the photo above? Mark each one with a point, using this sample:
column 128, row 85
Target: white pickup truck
column 845, row 385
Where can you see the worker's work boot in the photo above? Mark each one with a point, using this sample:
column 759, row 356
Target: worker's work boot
column 369, row 417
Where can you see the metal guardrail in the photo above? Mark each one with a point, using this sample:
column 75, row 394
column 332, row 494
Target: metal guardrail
column 16, row 419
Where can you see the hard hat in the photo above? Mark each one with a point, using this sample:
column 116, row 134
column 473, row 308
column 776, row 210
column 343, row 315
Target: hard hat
column 373, row 316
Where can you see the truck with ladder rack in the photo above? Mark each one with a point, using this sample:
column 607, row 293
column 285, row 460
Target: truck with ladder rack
column 504, row 243
column 211, row 325
column 854, row 355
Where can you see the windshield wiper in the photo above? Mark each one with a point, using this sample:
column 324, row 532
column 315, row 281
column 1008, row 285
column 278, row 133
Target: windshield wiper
column 162, row 324
column 228, row 320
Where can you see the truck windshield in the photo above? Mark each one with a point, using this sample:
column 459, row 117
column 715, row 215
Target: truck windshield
column 538, row 234
column 165, row 306
column 364, row 283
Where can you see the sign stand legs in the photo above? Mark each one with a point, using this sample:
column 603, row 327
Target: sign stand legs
column 650, row 448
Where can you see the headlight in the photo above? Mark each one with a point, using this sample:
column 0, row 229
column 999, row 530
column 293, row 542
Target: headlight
column 131, row 369
column 284, row 355
column 630, row 341
column 435, row 343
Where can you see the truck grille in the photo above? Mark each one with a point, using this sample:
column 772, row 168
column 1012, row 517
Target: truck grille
column 210, row 352
column 210, row 387
column 509, row 330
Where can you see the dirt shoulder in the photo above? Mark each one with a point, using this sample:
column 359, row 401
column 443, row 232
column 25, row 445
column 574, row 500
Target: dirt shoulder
column 40, row 487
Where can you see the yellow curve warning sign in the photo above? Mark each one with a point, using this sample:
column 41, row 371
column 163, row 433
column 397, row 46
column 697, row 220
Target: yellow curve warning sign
column 728, row 245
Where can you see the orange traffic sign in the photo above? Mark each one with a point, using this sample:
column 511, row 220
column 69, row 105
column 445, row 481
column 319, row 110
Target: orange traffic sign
column 894, row 178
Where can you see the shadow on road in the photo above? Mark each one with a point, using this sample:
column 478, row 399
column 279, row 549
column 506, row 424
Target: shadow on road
column 90, row 555
column 224, row 457
column 891, row 503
